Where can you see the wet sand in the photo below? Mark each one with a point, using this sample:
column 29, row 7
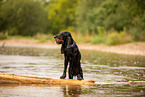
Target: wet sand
column 136, row 48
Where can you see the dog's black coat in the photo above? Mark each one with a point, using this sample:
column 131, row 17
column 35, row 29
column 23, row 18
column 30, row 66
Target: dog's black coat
column 72, row 56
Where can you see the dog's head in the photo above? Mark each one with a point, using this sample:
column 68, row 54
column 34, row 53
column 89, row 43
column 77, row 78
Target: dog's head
column 66, row 40
column 62, row 37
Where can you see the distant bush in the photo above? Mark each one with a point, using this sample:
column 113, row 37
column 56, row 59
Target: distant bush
column 100, row 37
column 116, row 38
column 98, row 40
column 110, row 38
column 42, row 38
column 3, row 36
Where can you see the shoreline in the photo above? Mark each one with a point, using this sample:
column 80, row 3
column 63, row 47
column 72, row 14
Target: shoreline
column 136, row 48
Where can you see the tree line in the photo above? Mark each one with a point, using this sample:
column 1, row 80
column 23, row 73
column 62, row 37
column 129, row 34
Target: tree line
column 29, row 17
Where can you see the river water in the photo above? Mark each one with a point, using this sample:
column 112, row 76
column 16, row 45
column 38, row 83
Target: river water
column 48, row 62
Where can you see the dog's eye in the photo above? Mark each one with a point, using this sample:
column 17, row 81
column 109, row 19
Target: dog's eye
column 60, row 37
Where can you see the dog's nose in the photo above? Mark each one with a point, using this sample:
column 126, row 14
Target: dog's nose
column 55, row 36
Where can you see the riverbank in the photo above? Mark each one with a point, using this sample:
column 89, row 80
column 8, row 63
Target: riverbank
column 130, row 48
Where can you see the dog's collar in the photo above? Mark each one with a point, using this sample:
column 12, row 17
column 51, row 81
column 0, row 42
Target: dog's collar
column 73, row 45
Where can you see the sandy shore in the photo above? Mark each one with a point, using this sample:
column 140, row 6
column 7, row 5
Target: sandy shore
column 130, row 49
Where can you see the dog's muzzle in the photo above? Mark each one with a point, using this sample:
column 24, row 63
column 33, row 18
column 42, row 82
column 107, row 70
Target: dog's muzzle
column 58, row 41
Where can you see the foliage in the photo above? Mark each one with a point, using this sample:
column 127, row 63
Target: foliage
column 137, row 29
column 86, row 16
column 100, row 37
column 98, row 40
column 22, row 17
column 116, row 38
column 111, row 38
column 61, row 15
column 3, row 36
column 112, row 14
column 91, row 20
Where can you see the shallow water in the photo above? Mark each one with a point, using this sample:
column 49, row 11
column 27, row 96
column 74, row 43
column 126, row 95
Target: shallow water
column 47, row 62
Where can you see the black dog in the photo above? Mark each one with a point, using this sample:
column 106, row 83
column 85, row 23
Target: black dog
column 71, row 54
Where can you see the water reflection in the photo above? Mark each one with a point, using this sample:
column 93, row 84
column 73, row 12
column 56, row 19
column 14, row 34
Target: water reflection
column 98, row 66
column 41, row 90
column 71, row 91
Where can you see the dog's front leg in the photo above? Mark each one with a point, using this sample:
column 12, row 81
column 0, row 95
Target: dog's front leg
column 65, row 68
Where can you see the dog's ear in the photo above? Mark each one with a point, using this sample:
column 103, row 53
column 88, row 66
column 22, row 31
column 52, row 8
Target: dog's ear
column 66, row 45
column 69, row 41
column 62, row 49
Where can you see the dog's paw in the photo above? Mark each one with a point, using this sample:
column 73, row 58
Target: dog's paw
column 79, row 77
column 63, row 76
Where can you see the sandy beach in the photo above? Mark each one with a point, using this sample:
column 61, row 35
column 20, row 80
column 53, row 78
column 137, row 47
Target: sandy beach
column 136, row 48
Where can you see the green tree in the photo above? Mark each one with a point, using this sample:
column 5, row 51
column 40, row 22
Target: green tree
column 86, row 15
column 112, row 14
column 136, row 13
column 22, row 17
column 2, row 24
column 61, row 15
